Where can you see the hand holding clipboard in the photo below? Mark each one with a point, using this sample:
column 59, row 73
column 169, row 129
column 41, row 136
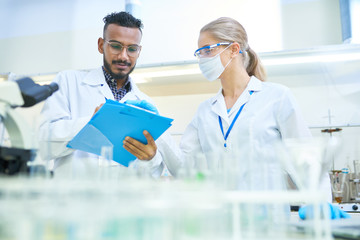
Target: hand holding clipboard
column 112, row 123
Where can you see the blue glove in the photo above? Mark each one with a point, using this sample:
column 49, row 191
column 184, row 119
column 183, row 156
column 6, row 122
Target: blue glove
column 306, row 212
column 142, row 104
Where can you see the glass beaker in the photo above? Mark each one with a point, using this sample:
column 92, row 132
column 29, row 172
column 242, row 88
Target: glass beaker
column 338, row 179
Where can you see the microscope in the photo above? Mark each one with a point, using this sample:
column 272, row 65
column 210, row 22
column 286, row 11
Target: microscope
column 23, row 92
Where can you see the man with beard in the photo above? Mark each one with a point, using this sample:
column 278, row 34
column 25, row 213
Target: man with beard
column 82, row 93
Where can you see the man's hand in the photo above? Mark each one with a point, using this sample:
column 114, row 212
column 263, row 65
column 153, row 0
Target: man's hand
column 140, row 150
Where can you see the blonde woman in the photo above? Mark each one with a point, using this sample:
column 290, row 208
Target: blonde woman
column 239, row 128
column 246, row 118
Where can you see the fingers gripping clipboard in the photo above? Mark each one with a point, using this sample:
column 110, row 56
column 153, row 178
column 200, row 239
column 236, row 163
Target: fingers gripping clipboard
column 112, row 123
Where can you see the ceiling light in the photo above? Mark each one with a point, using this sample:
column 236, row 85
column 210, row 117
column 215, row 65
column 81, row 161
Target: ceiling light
column 312, row 59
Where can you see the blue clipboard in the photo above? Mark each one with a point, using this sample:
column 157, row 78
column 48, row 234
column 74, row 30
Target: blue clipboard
column 112, row 123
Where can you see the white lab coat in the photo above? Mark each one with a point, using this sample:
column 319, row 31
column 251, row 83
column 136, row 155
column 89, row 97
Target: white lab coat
column 253, row 148
column 67, row 112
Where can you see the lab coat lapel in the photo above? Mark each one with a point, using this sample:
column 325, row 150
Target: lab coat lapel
column 219, row 108
column 218, row 101
column 96, row 79
column 243, row 99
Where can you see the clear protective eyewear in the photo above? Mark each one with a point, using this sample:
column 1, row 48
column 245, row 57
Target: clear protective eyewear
column 208, row 51
column 117, row 48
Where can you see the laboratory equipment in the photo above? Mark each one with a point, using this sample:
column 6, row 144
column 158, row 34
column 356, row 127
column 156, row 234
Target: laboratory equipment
column 333, row 145
column 345, row 187
column 132, row 209
column 304, row 160
column 338, row 183
column 19, row 93
column 345, row 183
column 354, row 183
column 351, row 184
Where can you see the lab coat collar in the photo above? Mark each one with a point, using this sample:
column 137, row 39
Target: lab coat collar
column 96, row 78
column 254, row 84
column 218, row 105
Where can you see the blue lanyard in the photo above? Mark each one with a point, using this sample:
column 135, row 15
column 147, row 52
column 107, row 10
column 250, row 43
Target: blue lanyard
column 232, row 123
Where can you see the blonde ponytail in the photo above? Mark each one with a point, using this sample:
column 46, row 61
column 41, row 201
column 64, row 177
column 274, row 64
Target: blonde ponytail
column 254, row 66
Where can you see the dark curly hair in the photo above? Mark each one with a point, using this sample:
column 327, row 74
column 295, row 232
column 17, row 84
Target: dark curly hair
column 123, row 19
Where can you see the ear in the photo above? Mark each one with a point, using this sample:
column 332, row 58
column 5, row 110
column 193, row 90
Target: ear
column 235, row 49
column 101, row 45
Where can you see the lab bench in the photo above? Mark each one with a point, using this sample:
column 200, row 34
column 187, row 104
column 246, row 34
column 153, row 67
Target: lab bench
column 148, row 209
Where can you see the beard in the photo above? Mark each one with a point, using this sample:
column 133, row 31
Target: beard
column 117, row 76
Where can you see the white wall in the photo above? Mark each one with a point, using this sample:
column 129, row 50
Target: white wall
column 172, row 27
column 310, row 23
column 44, row 36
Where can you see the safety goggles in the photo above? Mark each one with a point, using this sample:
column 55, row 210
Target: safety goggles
column 209, row 51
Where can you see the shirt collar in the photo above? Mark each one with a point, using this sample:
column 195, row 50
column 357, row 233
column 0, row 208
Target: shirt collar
column 111, row 81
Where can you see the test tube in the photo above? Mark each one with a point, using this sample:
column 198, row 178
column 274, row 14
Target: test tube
column 357, row 176
column 2, row 130
column 104, row 162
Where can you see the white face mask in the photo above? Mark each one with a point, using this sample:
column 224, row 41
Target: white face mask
column 212, row 67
